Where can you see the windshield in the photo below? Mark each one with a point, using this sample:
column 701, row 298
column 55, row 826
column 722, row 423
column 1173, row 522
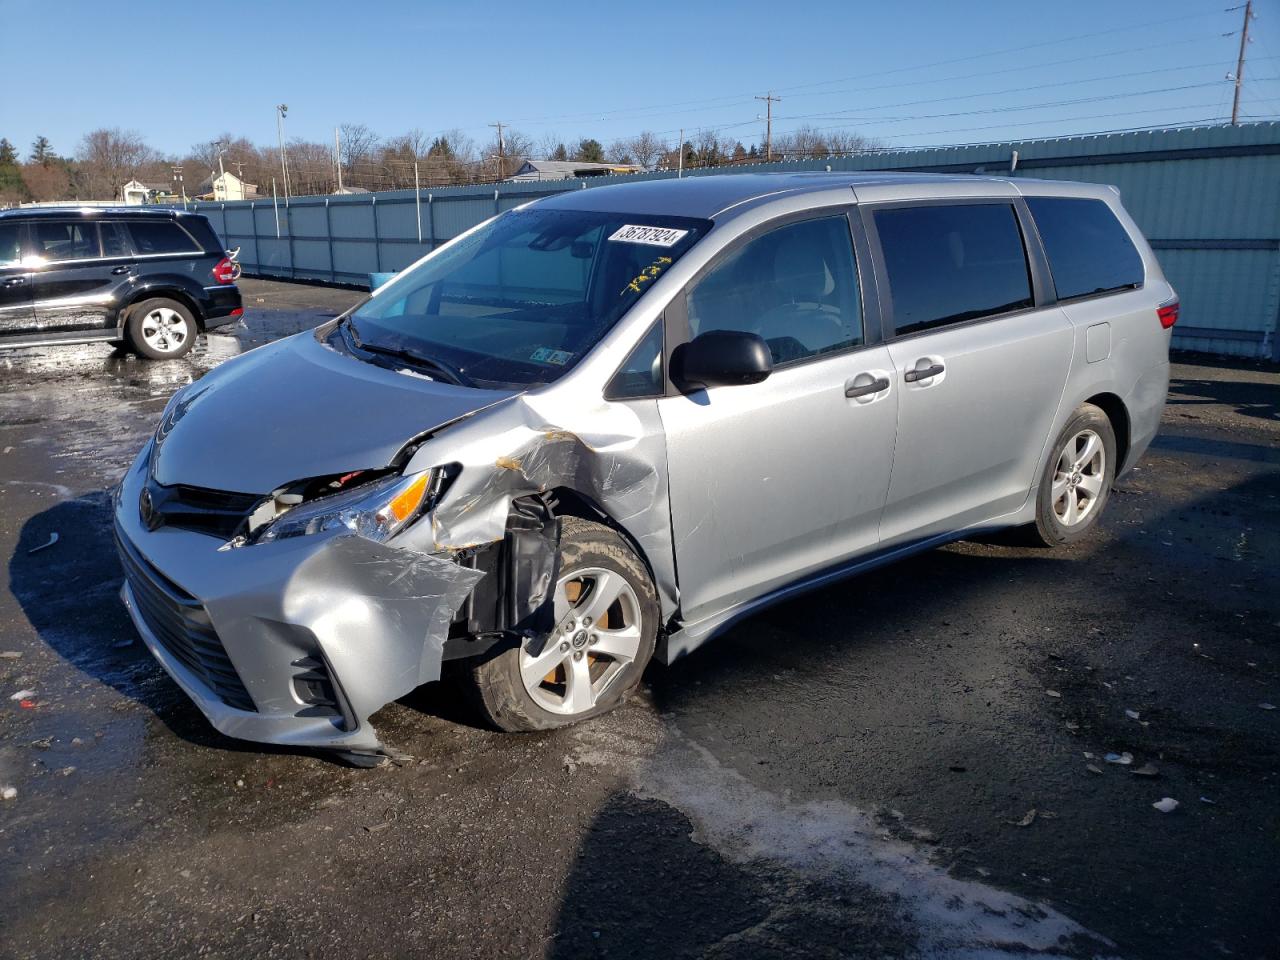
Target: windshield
column 525, row 297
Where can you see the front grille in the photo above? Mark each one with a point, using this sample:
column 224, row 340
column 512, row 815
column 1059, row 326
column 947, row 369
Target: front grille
column 179, row 622
column 219, row 513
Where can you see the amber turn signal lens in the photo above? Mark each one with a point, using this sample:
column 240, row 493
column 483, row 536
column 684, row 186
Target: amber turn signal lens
column 406, row 503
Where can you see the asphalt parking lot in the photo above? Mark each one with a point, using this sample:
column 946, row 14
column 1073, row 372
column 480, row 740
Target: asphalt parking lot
column 910, row 763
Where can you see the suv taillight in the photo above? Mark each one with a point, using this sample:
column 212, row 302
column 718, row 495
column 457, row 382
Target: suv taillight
column 1168, row 313
column 225, row 271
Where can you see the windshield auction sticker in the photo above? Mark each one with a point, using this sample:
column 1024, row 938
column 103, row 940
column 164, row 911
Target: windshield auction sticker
column 653, row 236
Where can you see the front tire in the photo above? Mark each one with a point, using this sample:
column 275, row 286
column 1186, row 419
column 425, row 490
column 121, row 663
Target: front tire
column 606, row 616
column 161, row 329
column 1077, row 478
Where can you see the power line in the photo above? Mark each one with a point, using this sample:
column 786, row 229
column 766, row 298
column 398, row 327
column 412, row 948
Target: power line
column 769, row 101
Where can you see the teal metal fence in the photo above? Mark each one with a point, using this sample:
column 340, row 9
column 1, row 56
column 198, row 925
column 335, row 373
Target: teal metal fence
column 1208, row 198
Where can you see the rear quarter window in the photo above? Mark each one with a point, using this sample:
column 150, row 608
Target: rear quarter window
column 160, row 236
column 1089, row 251
column 952, row 262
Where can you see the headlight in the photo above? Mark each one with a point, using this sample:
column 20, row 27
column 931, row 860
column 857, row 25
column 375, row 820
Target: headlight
column 376, row 511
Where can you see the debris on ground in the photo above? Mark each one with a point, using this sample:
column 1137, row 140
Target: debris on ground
column 1146, row 770
column 121, row 644
column 8, row 793
column 1212, row 803
column 10, row 655
column 1027, row 819
column 1166, row 805
column 1124, row 759
column 1267, row 706
column 1132, row 714
column 1093, row 768
column 22, row 695
column 53, row 538
column 1053, row 693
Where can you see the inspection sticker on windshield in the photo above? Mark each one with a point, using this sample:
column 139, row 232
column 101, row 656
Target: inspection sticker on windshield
column 547, row 355
column 653, row 236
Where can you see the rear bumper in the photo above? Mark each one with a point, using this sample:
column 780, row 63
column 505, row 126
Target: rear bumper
column 219, row 304
column 295, row 642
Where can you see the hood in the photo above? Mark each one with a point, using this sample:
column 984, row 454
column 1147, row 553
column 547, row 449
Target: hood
column 297, row 409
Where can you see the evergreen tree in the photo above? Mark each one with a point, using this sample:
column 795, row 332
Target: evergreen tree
column 41, row 152
column 8, row 155
column 589, row 151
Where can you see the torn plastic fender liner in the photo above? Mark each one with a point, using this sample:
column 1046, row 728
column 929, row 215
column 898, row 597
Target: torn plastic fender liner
column 518, row 596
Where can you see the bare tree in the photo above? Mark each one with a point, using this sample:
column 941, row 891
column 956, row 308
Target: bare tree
column 516, row 149
column 311, row 168
column 645, row 148
column 110, row 158
column 358, row 144
column 619, row 152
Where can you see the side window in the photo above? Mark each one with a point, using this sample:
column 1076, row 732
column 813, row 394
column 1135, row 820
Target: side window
column 113, row 244
column 10, row 249
column 1088, row 250
column 952, row 263
column 66, row 240
column 160, row 236
column 795, row 286
column 641, row 374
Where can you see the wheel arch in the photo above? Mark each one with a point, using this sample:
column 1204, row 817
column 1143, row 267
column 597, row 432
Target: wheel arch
column 1118, row 415
column 166, row 293
column 574, row 503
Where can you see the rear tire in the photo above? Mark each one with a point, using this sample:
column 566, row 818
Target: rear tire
column 606, row 625
column 161, row 329
column 1076, row 482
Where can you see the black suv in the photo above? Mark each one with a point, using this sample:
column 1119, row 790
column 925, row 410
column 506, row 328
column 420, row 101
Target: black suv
column 146, row 278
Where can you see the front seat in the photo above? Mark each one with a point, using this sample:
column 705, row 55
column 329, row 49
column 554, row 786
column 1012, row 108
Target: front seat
column 804, row 281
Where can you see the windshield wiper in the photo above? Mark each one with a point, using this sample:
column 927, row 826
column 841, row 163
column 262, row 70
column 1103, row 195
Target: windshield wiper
column 438, row 368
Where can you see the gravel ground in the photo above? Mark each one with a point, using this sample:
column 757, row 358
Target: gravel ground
column 909, row 763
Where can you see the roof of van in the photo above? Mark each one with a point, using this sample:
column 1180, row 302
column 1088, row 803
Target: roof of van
column 709, row 196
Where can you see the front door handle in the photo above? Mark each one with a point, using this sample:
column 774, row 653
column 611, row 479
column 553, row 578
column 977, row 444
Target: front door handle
column 866, row 389
column 15, row 281
column 923, row 373
column 119, row 270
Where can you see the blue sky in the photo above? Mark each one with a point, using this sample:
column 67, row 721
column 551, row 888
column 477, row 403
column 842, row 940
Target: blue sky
column 906, row 74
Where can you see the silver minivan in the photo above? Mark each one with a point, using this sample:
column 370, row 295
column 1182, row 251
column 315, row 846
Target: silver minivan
column 600, row 427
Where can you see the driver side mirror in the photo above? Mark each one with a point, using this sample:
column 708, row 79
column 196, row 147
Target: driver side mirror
column 721, row 358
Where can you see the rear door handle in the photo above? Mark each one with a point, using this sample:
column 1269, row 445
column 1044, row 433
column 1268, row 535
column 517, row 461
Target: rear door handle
column 119, row 270
column 923, row 373
column 866, row 389
column 15, row 281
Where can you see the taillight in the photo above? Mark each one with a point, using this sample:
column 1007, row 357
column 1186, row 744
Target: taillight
column 1168, row 313
column 225, row 271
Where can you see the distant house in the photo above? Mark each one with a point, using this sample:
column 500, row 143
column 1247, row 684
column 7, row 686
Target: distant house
column 226, row 186
column 564, row 169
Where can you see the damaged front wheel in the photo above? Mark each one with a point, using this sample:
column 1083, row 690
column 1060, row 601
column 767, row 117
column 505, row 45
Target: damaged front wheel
column 606, row 618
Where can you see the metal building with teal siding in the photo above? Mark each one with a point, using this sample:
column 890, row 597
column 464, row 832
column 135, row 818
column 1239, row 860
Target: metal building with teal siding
column 1208, row 199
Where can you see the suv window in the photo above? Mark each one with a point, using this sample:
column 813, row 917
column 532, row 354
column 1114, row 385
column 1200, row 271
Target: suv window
column 160, row 236
column 113, row 242
column 66, row 239
column 795, row 286
column 10, row 249
column 952, row 262
column 1088, row 250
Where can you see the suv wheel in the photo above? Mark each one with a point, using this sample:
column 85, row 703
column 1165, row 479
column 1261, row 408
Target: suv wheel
column 161, row 329
column 1077, row 478
column 606, row 614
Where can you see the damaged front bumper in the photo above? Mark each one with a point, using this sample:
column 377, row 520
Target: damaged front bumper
column 294, row 642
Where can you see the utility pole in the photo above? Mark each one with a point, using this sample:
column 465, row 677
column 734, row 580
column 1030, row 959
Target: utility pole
column 1244, row 41
column 239, row 165
column 501, row 146
column 680, row 151
column 337, row 156
column 182, row 187
column 222, row 172
column 281, row 110
column 769, row 101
